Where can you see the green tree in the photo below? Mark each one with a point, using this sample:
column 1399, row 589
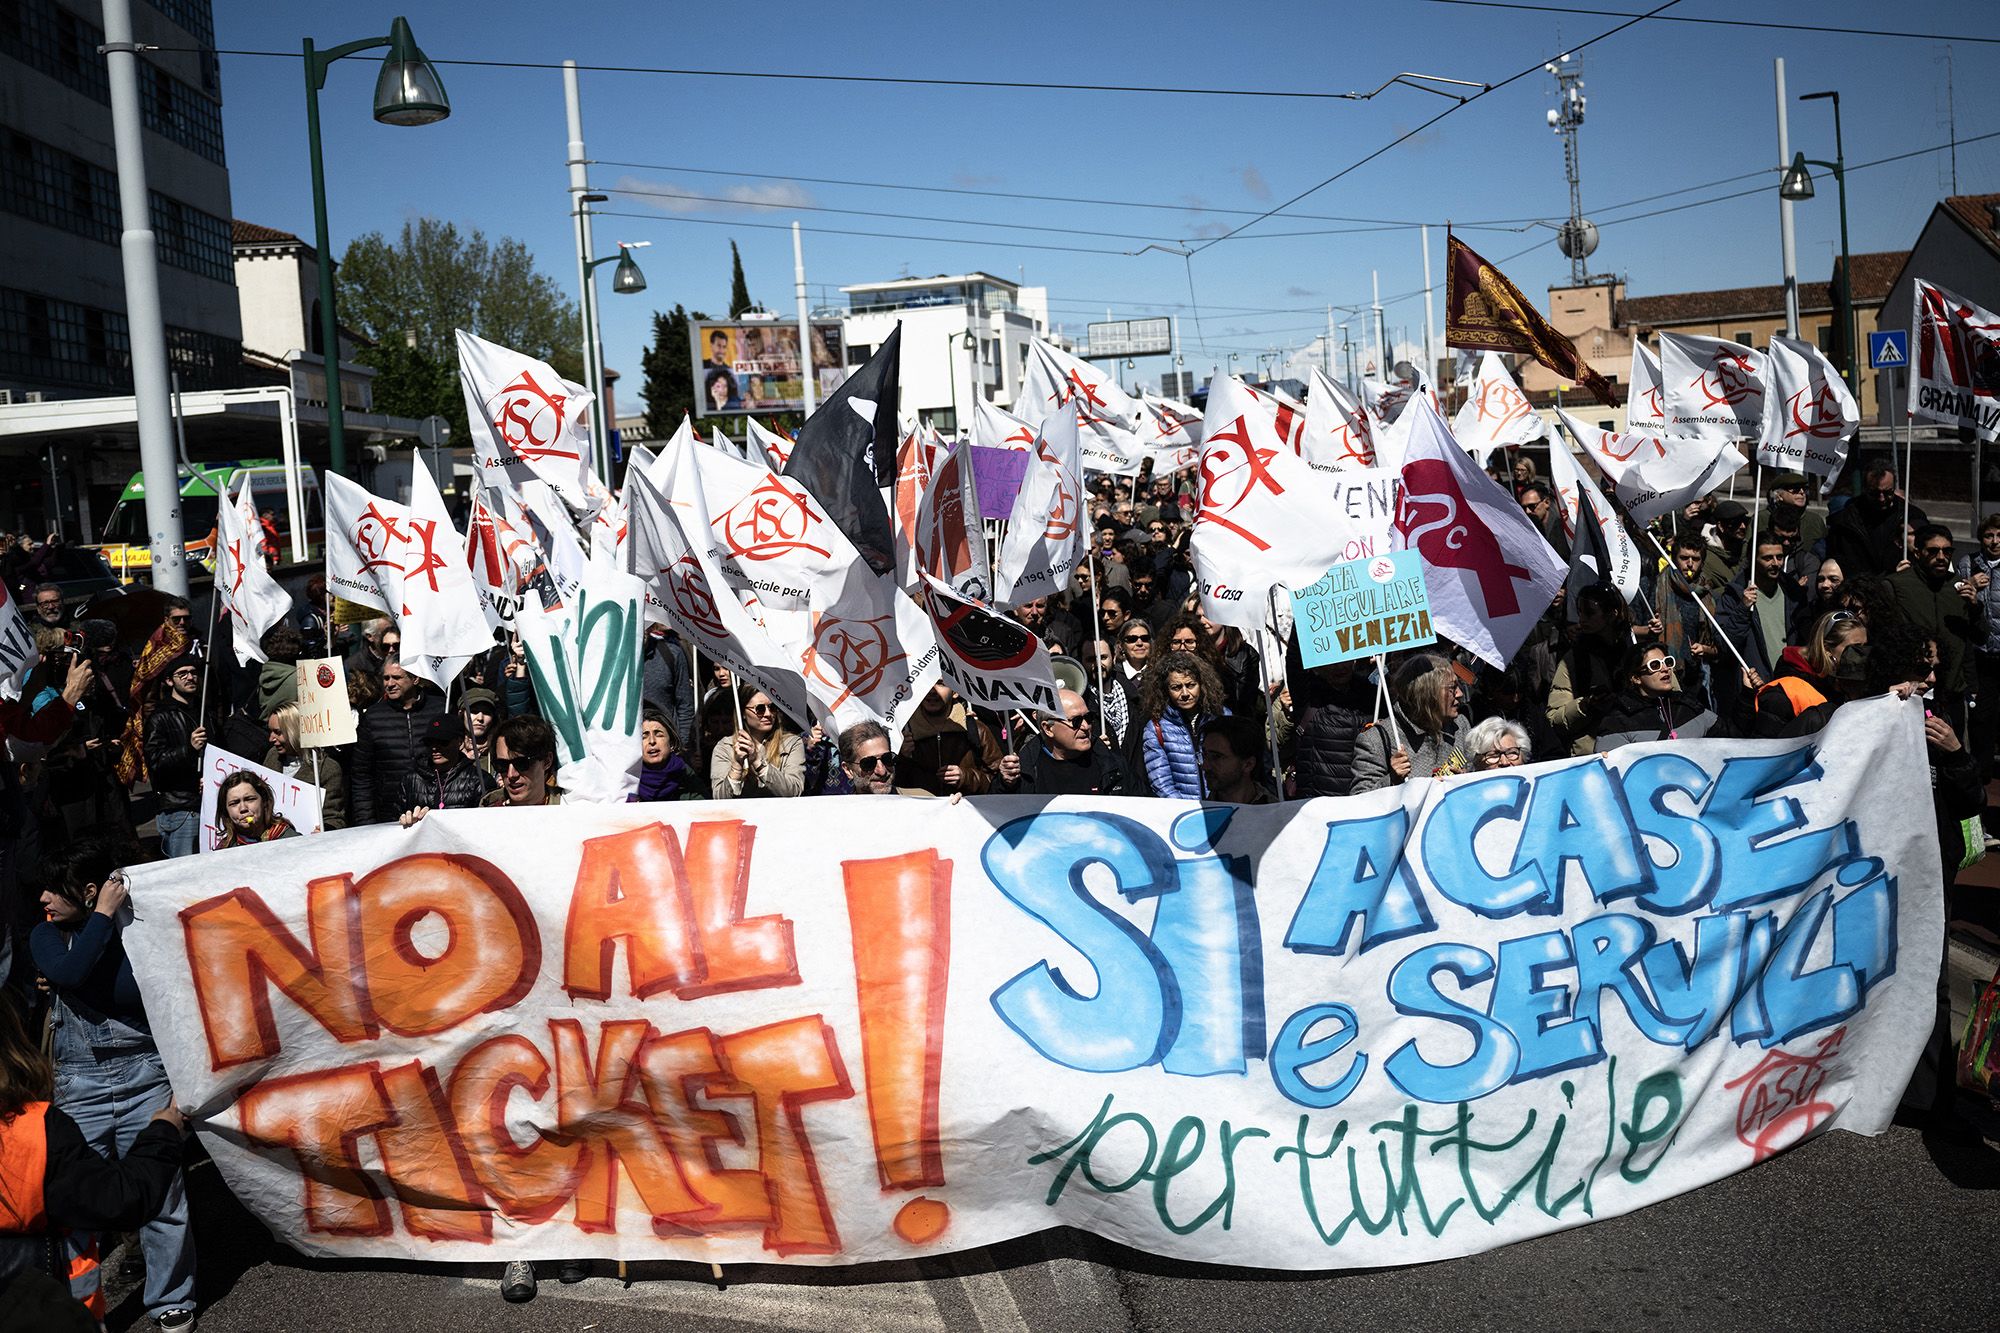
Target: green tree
column 739, row 289
column 406, row 297
column 668, row 367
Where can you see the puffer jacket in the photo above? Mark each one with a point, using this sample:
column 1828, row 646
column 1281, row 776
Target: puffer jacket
column 1170, row 747
column 1329, row 728
column 326, row 773
column 1633, row 718
column 173, row 766
column 1989, row 599
column 1430, row 756
column 459, row 787
column 385, row 752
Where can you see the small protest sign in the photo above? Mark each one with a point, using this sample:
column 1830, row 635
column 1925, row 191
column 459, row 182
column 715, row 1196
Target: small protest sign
column 325, row 715
column 996, row 475
column 587, row 660
column 1363, row 607
column 296, row 799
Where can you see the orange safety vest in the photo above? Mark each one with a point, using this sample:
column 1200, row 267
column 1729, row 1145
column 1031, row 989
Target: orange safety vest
column 24, row 1162
column 24, row 1169
column 1800, row 691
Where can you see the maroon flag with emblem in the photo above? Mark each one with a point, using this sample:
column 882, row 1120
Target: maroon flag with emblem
column 1486, row 312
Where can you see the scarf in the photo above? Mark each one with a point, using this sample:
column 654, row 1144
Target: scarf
column 662, row 782
column 166, row 645
column 280, row 827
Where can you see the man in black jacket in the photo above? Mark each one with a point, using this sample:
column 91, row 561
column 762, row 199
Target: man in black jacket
column 448, row 779
column 1068, row 760
column 173, row 743
column 387, row 745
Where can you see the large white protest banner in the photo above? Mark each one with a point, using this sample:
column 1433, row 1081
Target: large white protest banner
column 1435, row 1019
column 297, row 799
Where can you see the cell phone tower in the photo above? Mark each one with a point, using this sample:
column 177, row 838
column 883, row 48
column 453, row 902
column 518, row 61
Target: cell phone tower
column 1578, row 237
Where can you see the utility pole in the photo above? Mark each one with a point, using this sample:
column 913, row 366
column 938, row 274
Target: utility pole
column 146, row 327
column 1430, row 319
column 806, row 370
column 1787, row 245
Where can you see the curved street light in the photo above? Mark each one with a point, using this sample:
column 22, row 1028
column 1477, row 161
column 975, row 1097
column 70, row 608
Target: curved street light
column 407, row 92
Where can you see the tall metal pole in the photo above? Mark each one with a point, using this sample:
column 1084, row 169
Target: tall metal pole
column 1430, row 321
column 150, row 391
column 1846, row 262
column 579, row 185
column 329, row 322
column 1380, row 334
column 1786, row 238
column 807, row 371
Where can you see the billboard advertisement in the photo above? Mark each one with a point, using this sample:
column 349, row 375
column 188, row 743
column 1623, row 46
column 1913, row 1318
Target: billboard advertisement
column 753, row 366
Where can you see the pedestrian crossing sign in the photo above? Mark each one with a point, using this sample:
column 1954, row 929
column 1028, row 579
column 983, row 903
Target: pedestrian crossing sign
column 1889, row 349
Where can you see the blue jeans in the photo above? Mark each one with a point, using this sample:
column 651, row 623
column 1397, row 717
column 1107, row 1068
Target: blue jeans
column 111, row 1099
column 177, row 831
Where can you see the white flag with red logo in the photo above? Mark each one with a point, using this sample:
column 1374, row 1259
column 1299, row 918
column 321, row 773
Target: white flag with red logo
column 1387, row 399
column 1264, row 519
column 403, row 560
column 765, row 533
column 503, row 560
column 995, row 662
column 1496, row 414
column 1645, row 398
column 528, row 423
column 1047, row 532
column 775, row 448
column 950, row 535
column 996, row 428
column 1108, row 419
column 684, row 589
column 1711, row 387
column 1578, row 495
column 1489, row 571
column 1337, row 437
column 1170, row 423
column 916, row 459
column 249, row 594
column 18, row 654
column 1288, row 417
column 1656, row 474
column 1808, row 413
column 1955, row 365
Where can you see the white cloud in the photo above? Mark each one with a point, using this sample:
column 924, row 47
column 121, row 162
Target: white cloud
column 1253, row 183
column 679, row 197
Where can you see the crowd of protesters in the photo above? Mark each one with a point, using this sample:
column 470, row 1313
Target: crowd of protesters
column 1756, row 624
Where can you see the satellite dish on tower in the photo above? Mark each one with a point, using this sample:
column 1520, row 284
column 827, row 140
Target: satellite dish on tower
column 1577, row 238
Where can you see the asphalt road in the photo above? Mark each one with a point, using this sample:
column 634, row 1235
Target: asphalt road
column 1893, row 1233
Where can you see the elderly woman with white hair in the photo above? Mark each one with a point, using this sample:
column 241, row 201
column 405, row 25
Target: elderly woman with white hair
column 1497, row 742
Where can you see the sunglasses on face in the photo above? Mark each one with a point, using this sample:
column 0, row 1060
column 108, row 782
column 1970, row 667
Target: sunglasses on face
column 517, row 764
column 1660, row 664
column 1138, row 638
column 869, row 763
column 758, row 708
column 1079, row 722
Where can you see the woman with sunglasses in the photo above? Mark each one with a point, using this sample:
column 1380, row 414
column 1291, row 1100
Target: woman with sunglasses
column 1798, row 701
column 765, row 757
column 1650, row 706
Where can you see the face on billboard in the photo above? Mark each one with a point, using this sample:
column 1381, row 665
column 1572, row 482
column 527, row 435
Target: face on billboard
column 753, row 366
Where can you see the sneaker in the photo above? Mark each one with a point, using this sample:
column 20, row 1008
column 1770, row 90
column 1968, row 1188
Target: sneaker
column 517, row 1281
column 574, row 1271
column 175, row 1321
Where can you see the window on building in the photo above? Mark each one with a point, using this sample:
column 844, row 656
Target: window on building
column 1744, row 336
column 1823, row 336
column 44, row 36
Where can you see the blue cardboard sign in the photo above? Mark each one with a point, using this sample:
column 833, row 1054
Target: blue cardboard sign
column 1363, row 607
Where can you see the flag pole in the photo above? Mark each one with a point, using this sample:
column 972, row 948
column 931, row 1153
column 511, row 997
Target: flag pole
column 1909, row 463
column 1388, row 699
column 208, row 645
column 1701, row 605
column 1271, row 701
column 1756, row 500
column 1097, row 631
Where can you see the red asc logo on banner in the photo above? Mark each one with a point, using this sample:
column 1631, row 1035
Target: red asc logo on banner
column 688, row 587
column 852, row 656
column 1729, row 380
column 530, row 420
column 770, row 521
column 1229, row 473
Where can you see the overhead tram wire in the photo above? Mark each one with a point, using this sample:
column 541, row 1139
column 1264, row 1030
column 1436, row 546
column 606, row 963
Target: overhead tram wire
column 1835, row 29
column 840, row 231
column 1411, row 134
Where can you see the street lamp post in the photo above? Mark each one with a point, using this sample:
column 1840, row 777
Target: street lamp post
column 407, row 92
column 626, row 280
column 969, row 343
column 1796, row 185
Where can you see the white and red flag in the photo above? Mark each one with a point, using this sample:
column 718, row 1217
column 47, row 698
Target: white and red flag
column 1496, row 414
column 1612, row 557
column 249, row 594
column 1264, row 518
column 1170, row 423
column 1489, row 571
column 916, row 460
column 1047, row 532
column 1656, row 474
column 403, row 560
column 503, row 560
column 993, row 661
column 1108, row 419
column 1645, row 398
column 1808, row 413
column 1288, row 416
column 1955, row 365
column 1711, row 387
column 869, row 655
column 1337, row 436
column 950, row 537
column 528, row 423
column 997, row 428
column 685, row 589
column 775, row 448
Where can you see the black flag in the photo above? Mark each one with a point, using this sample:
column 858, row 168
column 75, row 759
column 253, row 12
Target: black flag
column 846, row 454
column 1589, row 553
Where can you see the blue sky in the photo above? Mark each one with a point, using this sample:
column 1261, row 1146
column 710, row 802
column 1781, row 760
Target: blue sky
column 1671, row 106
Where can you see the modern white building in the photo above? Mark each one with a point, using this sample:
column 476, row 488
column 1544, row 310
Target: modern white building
column 964, row 336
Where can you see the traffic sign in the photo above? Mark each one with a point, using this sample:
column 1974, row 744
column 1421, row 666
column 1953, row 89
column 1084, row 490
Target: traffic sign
column 1889, row 349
